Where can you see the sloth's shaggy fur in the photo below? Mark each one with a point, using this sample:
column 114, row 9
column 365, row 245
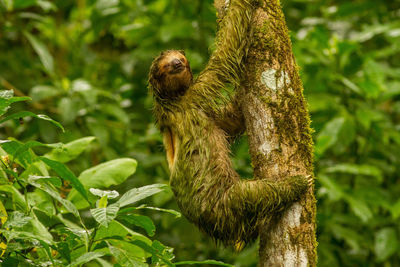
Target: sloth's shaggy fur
column 196, row 127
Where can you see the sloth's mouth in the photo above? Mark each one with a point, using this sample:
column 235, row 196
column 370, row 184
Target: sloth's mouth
column 177, row 69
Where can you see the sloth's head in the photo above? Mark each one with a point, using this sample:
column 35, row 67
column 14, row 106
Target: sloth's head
column 170, row 75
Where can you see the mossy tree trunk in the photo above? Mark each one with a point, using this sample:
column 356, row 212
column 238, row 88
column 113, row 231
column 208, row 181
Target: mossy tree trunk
column 278, row 127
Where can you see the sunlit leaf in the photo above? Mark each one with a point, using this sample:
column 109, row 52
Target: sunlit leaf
column 6, row 99
column 48, row 179
column 105, row 215
column 102, row 193
column 71, row 150
column 109, row 173
column 173, row 212
column 136, row 194
column 23, row 114
column 386, row 243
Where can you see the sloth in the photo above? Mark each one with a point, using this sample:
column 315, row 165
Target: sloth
column 197, row 124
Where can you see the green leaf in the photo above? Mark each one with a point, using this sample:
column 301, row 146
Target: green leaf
column 102, row 193
column 40, row 230
column 395, row 210
column 355, row 169
column 31, row 144
column 66, row 174
column 48, row 179
column 48, row 252
column 23, row 114
column 175, row 29
column 70, row 151
column 328, row 135
column 352, row 86
column 17, row 219
column 47, row 5
column 141, row 221
column 104, row 263
column 6, row 94
column 43, row 92
column 124, row 258
column 17, row 198
column 112, row 172
column 54, row 194
column 360, row 208
column 6, row 99
column 352, row 238
column 105, row 215
column 24, row 3
column 166, row 252
column 322, row 102
column 3, row 214
column 136, row 194
column 24, row 157
column 333, row 189
column 337, row 134
column 44, row 54
column 115, row 111
column 116, row 228
column 173, row 212
column 366, row 116
column 386, row 243
column 213, row 262
column 65, row 251
column 8, row 4
column 88, row 256
column 154, row 250
column 32, row 237
column 102, row 202
column 34, row 229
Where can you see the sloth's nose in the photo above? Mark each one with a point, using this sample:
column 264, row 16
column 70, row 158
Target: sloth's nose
column 176, row 63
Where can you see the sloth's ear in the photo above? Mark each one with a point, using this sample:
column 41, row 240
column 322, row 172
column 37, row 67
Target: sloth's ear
column 182, row 52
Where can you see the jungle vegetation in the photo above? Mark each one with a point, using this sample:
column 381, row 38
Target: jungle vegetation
column 83, row 175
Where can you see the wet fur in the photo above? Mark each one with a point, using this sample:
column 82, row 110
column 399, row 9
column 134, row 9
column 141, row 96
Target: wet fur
column 197, row 121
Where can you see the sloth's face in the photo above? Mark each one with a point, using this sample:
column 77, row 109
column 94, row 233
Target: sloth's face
column 174, row 62
column 174, row 73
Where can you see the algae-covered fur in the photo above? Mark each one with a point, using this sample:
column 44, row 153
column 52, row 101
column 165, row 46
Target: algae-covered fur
column 196, row 122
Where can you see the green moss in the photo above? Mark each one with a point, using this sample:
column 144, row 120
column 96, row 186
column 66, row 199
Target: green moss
column 289, row 111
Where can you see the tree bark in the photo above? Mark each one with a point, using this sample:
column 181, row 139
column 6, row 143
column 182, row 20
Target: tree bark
column 278, row 126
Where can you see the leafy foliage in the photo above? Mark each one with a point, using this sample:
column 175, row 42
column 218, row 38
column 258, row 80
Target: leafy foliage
column 84, row 64
column 349, row 55
column 41, row 225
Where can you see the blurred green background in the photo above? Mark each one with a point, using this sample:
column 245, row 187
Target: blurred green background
column 85, row 64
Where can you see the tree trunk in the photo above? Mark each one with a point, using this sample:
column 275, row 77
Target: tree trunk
column 278, row 127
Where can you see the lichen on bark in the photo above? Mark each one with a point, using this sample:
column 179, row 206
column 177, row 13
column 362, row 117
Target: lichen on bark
column 278, row 125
